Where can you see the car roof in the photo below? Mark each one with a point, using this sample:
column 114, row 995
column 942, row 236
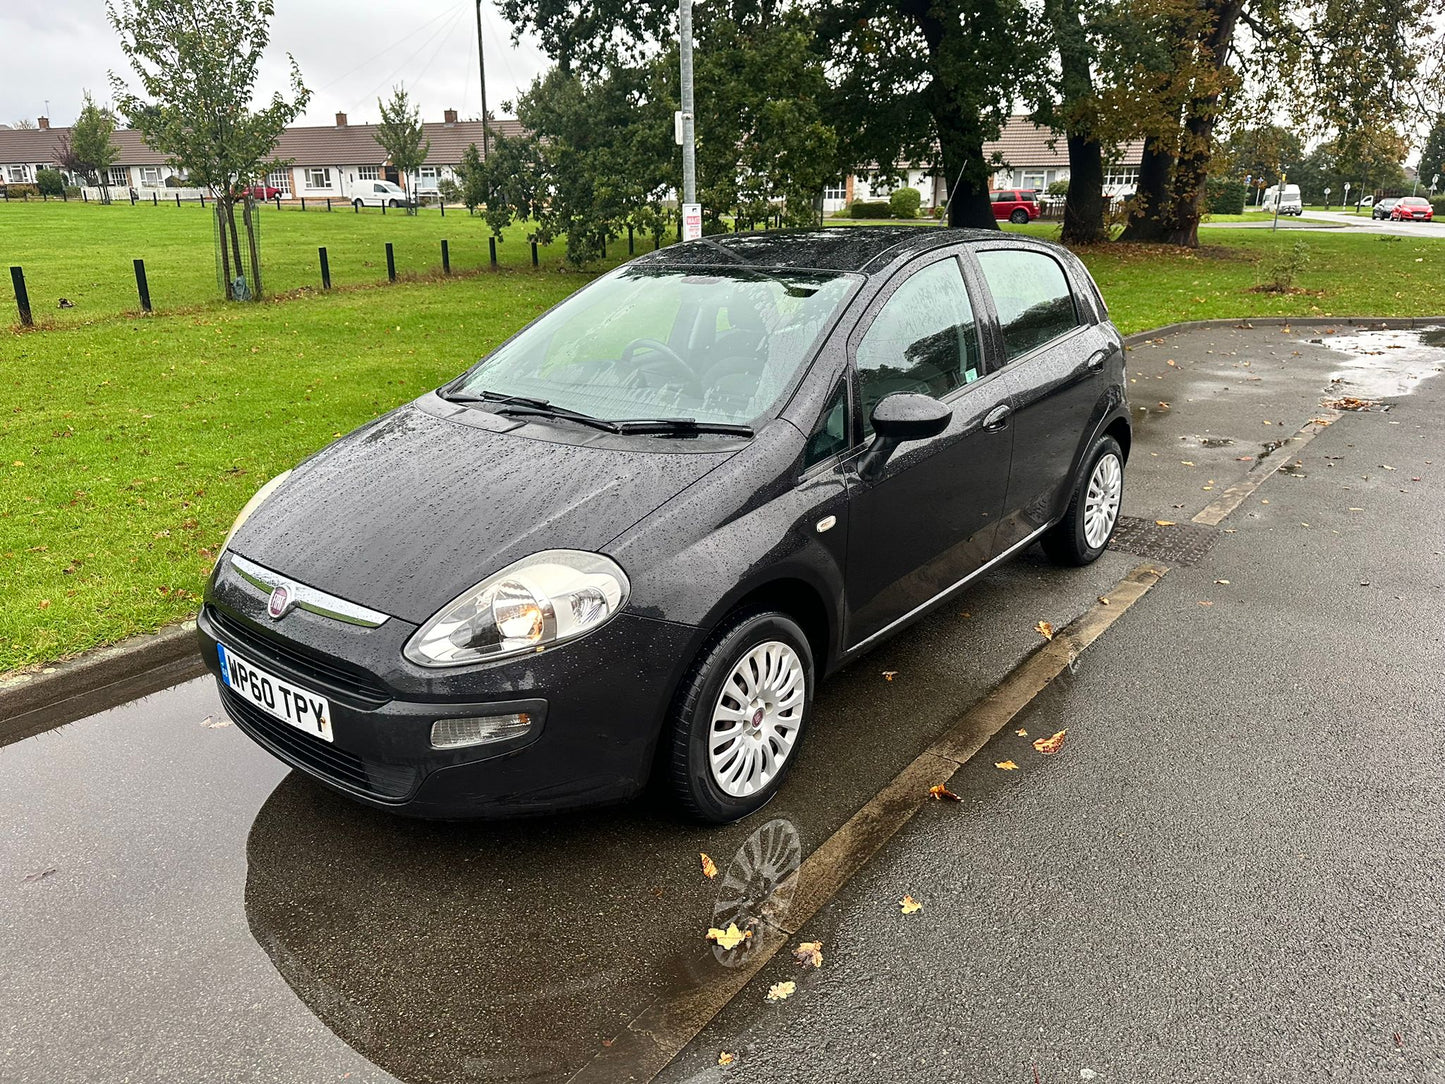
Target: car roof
column 862, row 249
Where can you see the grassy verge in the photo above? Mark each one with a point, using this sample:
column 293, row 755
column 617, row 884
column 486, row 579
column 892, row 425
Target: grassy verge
column 127, row 445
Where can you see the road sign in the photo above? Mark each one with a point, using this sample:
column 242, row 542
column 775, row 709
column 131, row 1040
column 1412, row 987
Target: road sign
column 691, row 221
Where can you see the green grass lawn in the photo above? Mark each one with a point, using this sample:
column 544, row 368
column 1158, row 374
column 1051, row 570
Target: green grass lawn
column 128, row 444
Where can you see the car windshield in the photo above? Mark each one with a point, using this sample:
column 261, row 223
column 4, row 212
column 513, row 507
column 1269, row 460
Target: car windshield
column 712, row 345
column 1415, row 201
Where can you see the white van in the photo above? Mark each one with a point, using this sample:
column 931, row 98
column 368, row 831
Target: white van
column 1288, row 200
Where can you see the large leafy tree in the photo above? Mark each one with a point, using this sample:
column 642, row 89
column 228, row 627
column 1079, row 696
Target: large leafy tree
column 402, row 136
column 87, row 149
column 912, row 75
column 196, row 62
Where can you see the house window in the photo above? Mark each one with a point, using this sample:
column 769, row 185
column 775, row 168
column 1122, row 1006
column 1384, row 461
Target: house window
column 19, row 174
column 369, row 173
column 835, row 191
column 117, row 176
column 1035, row 178
column 427, row 178
column 150, row 176
column 318, row 178
column 280, row 178
column 1120, row 177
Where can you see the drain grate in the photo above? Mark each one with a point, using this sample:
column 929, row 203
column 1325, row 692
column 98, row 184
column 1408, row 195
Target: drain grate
column 1179, row 543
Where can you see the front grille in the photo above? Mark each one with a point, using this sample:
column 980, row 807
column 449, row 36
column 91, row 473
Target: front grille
column 308, row 667
column 388, row 782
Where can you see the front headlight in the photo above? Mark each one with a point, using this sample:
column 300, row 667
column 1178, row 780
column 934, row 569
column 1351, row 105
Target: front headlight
column 539, row 601
column 254, row 503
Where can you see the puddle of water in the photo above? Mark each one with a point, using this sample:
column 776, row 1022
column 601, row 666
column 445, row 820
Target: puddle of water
column 1384, row 364
column 1216, row 442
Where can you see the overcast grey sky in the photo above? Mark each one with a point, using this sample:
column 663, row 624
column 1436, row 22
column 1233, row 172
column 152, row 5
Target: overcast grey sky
column 350, row 52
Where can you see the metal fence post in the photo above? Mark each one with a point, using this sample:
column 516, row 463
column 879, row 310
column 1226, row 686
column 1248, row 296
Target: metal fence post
column 142, row 287
column 178, row 199
column 390, row 263
column 155, row 199
column 443, row 205
column 492, row 247
column 446, row 258
column 203, row 201
column 278, row 203
column 22, row 297
column 325, row 269
column 356, row 206
column 328, row 203
column 383, row 206
column 629, row 239
column 534, row 253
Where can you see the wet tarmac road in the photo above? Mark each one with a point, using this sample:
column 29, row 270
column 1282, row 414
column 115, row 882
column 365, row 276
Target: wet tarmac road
column 175, row 905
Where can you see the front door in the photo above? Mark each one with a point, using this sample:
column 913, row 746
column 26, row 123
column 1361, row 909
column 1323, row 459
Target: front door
column 389, row 173
column 928, row 521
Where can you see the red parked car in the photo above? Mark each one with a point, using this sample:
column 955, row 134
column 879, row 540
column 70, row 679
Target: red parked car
column 1412, row 209
column 263, row 191
column 1017, row 205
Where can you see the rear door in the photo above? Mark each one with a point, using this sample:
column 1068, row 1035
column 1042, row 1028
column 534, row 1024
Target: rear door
column 929, row 520
column 1055, row 360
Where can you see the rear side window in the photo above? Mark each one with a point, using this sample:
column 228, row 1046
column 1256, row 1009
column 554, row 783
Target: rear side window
column 924, row 339
column 1032, row 296
column 1003, row 197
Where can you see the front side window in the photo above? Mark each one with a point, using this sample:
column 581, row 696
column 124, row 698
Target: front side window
column 924, row 339
column 1031, row 295
column 318, row 178
column 713, row 345
column 1004, row 196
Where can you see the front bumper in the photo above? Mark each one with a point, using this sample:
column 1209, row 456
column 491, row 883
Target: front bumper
column 598, row 705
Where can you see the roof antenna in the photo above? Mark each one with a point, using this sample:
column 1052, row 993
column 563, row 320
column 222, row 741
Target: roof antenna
column 956, row 183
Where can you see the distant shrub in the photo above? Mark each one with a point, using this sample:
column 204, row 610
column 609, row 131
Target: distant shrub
column 868, row 209
column 20, row 191
column 174, row 181
column 905, row 203
column 72, row 191
column 1224, row 197
column 1059, row 188
column 450, row 190
column 1439, row 204
column 940, row 211
column 49, row 182
column 1284, row 266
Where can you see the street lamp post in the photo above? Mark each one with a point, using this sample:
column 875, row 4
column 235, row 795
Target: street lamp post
column 691, row 211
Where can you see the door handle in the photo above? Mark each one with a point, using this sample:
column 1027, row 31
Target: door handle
column 1096, row 362
column 997, row 418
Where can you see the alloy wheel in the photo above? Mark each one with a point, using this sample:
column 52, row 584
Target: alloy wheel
column 1101, row 503
column 757, row 717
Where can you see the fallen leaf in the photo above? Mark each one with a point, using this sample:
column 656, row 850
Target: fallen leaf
column 1104, row 600
column 1187, row 462
column 41, row 874
column 1044, row 629
column 211, row 722
column 1222, row 581
column 1386, row 466
column 1006, row 765
column 781, row 991
column 45, row 604
column 1172, row 362
column 709, row 867
column 1398, row 1038
column 1350, row 402
column 809, row 952
column 888, row 675
column 1050, row 746
column 1203, row 602
column 1164, row 523
column 942, row 793
column 724, row 1058
column 1244, row 459
column 729, row 938
column 1021, row 732
column 907, row 905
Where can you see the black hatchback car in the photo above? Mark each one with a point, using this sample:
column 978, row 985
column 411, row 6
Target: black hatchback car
column 638, row 533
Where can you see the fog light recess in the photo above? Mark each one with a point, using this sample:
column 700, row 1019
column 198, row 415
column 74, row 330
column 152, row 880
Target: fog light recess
column 456, row 733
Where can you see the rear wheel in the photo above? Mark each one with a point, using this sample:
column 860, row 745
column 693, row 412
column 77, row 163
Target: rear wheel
column 1093, row 512
column 393, row 203
column 739, row 716
column 1019, row 217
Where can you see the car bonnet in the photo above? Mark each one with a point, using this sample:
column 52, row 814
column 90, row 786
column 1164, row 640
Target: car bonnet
column 406, row 513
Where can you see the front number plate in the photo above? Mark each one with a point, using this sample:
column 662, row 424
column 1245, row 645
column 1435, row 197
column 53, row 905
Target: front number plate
column 303, row 710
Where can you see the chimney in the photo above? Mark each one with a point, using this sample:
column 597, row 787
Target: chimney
column 450, row 116
column 341, row 120
column 44, row 122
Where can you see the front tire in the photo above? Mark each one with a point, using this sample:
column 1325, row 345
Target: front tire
column 1093, row 512
column 1019, row 217
column 357, row 204
column 738, row 717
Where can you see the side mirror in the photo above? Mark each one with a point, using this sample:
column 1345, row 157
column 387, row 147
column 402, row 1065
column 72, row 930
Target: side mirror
column 900, row 417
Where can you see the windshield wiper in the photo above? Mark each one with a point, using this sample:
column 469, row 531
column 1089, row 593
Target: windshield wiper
column 681, row 427
column 527, row 406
